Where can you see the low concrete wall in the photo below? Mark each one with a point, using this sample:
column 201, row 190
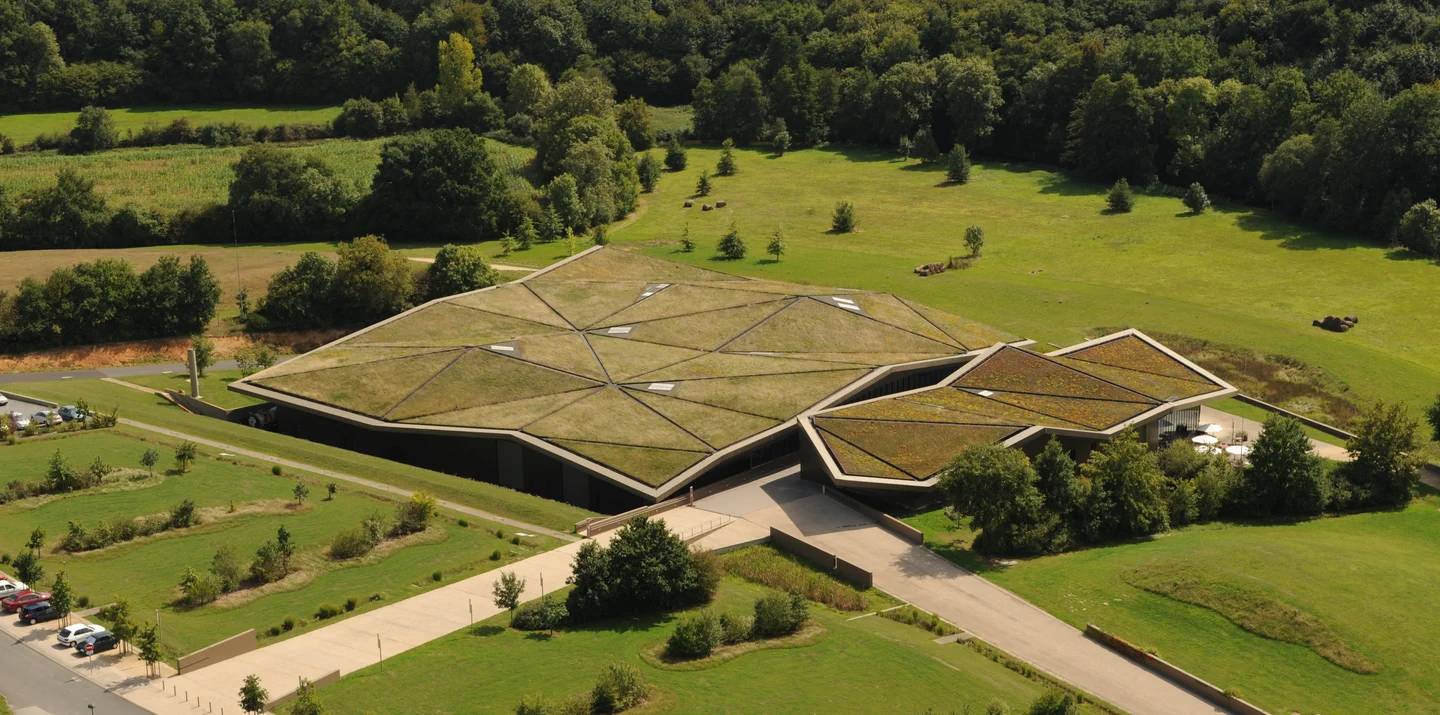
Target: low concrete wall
column 599, row 525
column 890, row 523
column 212, row 654
column 27, row 398
column 328, row 679
column 1174, row 674
column 197, row 406
column 821, row 558
column 1317, row 424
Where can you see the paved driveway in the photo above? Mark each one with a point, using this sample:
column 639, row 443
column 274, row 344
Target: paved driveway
column 917, row 575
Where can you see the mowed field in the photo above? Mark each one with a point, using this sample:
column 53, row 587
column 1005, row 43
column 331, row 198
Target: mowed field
column 25, row 127
column 1056, row 266
column 146, row 570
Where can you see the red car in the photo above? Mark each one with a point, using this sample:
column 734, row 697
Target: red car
column 23, row 599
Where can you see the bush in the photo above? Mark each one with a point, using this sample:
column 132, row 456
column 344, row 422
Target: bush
column 288, row 624
column 645, row 568
column 351, row 603
column 695, row 636
column 462, row 523
column 780, row 614
column 578, row 704
column 731, row 246
column 1195, row 198
column 414, row 516
column 1054, row 702
column 327, row 611
column 735, row 629
column 843, row 220
column 182, row 515
column 351, row 543
column 675, row 156
column 437, row 576
column 199, row 588
column 275, row 470
column 957, row 167
column 546, row 614
column 94, row 131
column 618, row 689
column 1121, row 199
column 496, row 555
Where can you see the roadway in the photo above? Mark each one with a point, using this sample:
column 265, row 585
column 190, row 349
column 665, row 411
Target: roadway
column 36, row 685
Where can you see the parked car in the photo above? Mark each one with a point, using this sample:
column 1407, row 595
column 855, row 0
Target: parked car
column 22, row 599
column 9, row 588
column 41, row 419
column 20, row 420
column 71, row 412
column 4, row 400
column 79, row 633
column 98, row 643
column 36, row 612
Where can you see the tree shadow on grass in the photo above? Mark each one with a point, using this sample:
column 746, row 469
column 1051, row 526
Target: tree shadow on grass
column 1273, row 227
column 486, row 631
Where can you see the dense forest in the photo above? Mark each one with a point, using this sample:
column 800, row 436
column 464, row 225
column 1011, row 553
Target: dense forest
column 1326, row 110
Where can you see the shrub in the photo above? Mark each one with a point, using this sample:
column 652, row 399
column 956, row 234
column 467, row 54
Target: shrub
column 843, row 220
column 1195, row 198
column 913, row 616
column 437, row 576
column 226, row 568
column 182, row 515
column 702, row 185
column 273, row 631
column 974, row 239
column 780, row 614
column 675, row 157
column 275, row 470
column 957, row 165
column 731, row 246
column 496, row 555
column 618, row 689
column 288, row 624
column 414, row 516
column 727, row 166
column 199, row 588
column 327, row 611
column 1121, row 199
column 82, row 603
column 645, row 568
column 351, row 603
column 94, row 131
column 695, row 636
column 463, row 524
column 735, row 629
column 545, row 614
column 1054, row 702
column 781, row 142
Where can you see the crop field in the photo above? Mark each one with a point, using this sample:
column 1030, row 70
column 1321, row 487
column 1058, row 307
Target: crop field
column 858, row 666
column 242, row 507
column 1056, row 267
column 25, row 127
column 1315, row 616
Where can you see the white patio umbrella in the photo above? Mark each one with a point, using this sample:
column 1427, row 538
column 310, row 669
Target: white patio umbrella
column 1238, row 449
column 1207, row 449
column 1204, row 439
column 1211, row 428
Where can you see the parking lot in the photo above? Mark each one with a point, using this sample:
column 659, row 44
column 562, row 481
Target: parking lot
column 24, row 407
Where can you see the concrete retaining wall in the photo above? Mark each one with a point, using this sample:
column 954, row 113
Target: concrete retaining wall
column 328, row 679
column 27, row 398
column 1317, row 424
column 197, row 406
column 821, row 558
column 889, row 523
column 1174, row 674
column 224, row 650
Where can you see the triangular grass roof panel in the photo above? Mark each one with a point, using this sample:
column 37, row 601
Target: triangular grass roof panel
column 678, row 300
column 484, row 378
column 908, row 411
column 563, row 351
column 1135, row 354
column 729, row 365
column 918, row 449
column 776, row 287
column 585, row 303
column 869, row 359
column 888, row 309
column 514, row 300
column 337, row 356
column 1015, row 370
column 614, row 417
column 717, row 426
column 969, row 333
column 812, row 326
column 624, row 359
column 651, row 466
column 613, row 264
column 505, row 415
column 444, row 324
column 1158, row 387
column 776, row 396
column 1093, row 414
column 370, row 388
column 971, row 403
column 706, row 331
column 858, row 462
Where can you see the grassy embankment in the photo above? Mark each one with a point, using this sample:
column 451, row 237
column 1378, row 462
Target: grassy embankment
column 25, row 127
column 157, row 411
column 212, row 387
column 146, row 570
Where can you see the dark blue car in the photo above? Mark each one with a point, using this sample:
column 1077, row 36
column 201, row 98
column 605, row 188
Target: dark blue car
column 37, row 612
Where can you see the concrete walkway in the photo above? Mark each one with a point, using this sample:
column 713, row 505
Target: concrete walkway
column 918, row 576
column 1235, row 423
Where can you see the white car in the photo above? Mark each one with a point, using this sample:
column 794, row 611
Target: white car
column 78, row 633
column 10, row 588
column 20, row 420
column 4, row 400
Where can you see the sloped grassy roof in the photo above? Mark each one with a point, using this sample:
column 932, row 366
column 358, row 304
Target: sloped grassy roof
column 639, row 364
column 1097, row 387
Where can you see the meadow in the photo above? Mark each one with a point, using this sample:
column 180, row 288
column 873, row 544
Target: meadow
column 156, row 411
column 1350, row 584
column 213, row 387
column 1057, row 267
column 146, row 570
column 25, row 127
column 865, row 665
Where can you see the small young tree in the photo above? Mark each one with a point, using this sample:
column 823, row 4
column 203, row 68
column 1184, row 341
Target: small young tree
column 301, row 492
column 649, row 172
column 226, row 568
column 508, row 589
column 687, row 244
column 726, row 166
column 525, row 234
column 601, row 238
column 843, row 219
column 702, row 186
column 330, row 490
column 1195, row 198
column 781, row 142
column 284, row 547
column 62, row 598
column 147, row 642
column 36, row 540
column 27, row 567
column 204, row 353
column 906, row 147
column 253, row 697
column 185, row 455
column 1385, row 456
column 731, row 245
column 306, row 701
column 974, row 240
column 675, row 157
column 957, row 165
column 121, row 621
column 777, row 245
column 94, row 130
column 925, row 146
column 149, row 459
column 1121, row 199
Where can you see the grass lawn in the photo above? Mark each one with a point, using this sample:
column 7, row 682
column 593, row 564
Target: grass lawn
column 24, row 127
column 859, row 666
column 154, row 410
column 212, row 387
column 146, row 570
column 1056, row 266
column 1364, row 578
column 672, row 118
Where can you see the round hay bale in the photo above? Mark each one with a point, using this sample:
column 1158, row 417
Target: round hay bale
column 705, row 207
column 689, row 203
column 1353, row 319
column 719, row 204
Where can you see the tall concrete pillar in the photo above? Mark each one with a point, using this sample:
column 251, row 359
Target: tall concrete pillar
column 194, row 374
